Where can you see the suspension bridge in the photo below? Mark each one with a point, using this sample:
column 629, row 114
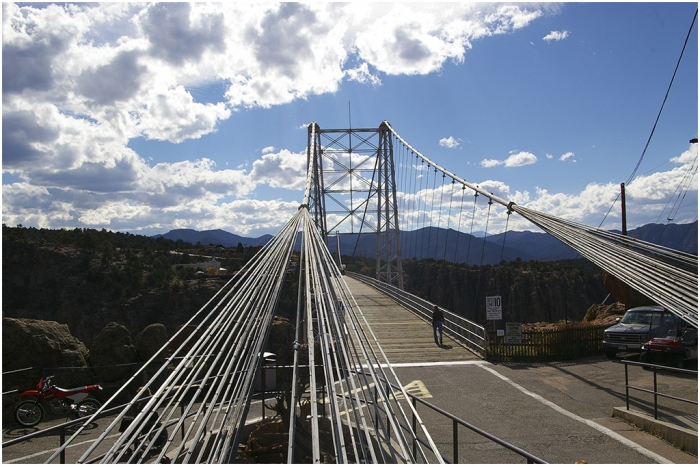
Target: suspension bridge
column 344, row 401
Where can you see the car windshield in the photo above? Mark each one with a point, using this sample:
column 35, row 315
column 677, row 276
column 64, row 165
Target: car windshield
column 665, row 319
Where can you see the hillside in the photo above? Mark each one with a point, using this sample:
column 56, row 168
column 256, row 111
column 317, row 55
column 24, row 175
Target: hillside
column 88, row 278
column 531, row 291
column 459, row 247
column 220, row 237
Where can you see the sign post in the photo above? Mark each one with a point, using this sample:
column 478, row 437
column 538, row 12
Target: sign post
column 493, row 308
column 514, row 333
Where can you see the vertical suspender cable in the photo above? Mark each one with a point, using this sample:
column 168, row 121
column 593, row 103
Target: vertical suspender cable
column 449, row 215
column 504, row 234
column 469, row 244
column 411, row 212
column 459, row 224
column 425, row 206
column 488, row 215
column 437, row 231
column 432, row 206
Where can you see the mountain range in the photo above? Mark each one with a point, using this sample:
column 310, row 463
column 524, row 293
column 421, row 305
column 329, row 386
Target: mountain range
column 441, row 243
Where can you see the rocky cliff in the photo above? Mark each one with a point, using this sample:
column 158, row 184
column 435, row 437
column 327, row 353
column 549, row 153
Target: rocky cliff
column 530, row 291
column 76, row 287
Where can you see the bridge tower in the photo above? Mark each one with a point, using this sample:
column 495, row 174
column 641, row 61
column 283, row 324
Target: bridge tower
column 353, row 190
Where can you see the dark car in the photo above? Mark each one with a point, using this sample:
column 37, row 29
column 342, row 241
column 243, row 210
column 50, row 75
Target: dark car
column 638, row 326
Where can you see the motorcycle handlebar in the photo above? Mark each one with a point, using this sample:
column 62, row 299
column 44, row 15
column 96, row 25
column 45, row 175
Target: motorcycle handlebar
column 47, row 383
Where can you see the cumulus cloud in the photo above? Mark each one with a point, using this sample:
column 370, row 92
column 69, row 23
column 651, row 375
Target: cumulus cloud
column 556, row 35
column 284, row 169
column 647, row 200
column 363, row 75
column 520, row 159
column 178, row 33
column 516, row 159
column 489, row 163
column 119, row 79
column 450, row 143
column 82, row 80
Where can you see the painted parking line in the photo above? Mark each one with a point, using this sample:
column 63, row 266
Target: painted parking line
column 604, row 430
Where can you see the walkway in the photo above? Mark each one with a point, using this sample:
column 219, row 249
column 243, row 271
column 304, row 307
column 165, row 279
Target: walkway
column 404, row 337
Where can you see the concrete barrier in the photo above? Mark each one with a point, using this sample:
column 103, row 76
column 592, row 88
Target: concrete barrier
column 681, row 437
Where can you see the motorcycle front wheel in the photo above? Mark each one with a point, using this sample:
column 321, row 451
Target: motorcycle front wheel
column 87, row 407
column 29, row 413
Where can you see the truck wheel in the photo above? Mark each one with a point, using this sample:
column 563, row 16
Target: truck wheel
column 610, row 354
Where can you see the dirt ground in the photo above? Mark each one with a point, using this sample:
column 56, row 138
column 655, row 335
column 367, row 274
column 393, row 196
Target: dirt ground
column 597, row 315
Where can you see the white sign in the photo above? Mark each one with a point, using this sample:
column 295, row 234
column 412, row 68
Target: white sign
column 493, row 308
column 514, row 333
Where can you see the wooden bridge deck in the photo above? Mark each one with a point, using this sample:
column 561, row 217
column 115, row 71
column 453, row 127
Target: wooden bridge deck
column 404, row 337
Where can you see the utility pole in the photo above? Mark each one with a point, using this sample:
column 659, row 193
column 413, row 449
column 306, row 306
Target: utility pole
column 624, row 209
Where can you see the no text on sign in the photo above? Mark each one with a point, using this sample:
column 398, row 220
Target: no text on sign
column 493, row 308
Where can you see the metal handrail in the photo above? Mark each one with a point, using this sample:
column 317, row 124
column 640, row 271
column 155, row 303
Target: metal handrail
column 456, row 422
column 470, row 333
column 63, row 426
column 655, row 391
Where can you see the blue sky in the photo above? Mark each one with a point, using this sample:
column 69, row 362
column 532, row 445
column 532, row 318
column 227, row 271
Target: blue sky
column 146, row 118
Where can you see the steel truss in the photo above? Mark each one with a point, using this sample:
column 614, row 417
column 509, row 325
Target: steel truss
column 344, row 163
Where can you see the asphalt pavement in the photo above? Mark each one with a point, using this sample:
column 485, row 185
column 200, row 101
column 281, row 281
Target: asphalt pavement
column 560, row 412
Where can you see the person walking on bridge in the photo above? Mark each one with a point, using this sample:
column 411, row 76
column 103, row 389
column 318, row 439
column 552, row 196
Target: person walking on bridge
column 438, row 319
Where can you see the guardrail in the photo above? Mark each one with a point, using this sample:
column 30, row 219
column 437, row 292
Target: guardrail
column 471, row 334
column 456, row 422
column 655, row 391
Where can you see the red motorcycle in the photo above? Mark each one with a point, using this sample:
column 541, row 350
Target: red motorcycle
column 61, row 401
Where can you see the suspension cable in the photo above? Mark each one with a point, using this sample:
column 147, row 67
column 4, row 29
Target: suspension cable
column 437, row 232
column 432, row 207
column 449, row 216
column 471, row 229
column 459, row 224
column 505, row 232
column 483, row 249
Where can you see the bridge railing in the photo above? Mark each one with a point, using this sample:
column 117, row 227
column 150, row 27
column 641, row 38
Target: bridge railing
column 656, row 392
column 456, row 423
column 471, row 334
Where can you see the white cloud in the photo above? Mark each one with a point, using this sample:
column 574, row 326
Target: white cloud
column 82, row 80
column 556, row 35
column 520, row 159
column 516, row 159
column 567, row 156
column 284, row 169
column 362, row 75
column 450, row 143
column 488, row 163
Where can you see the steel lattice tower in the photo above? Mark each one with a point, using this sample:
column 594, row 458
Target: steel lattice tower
column 353, row 188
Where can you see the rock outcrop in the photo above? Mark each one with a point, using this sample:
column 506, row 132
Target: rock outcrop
column 43, row 346
column 623, row 293
column 72, row 286
column 150, row 341
column 530, row 291
column 112, row 353
column 48, row 348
